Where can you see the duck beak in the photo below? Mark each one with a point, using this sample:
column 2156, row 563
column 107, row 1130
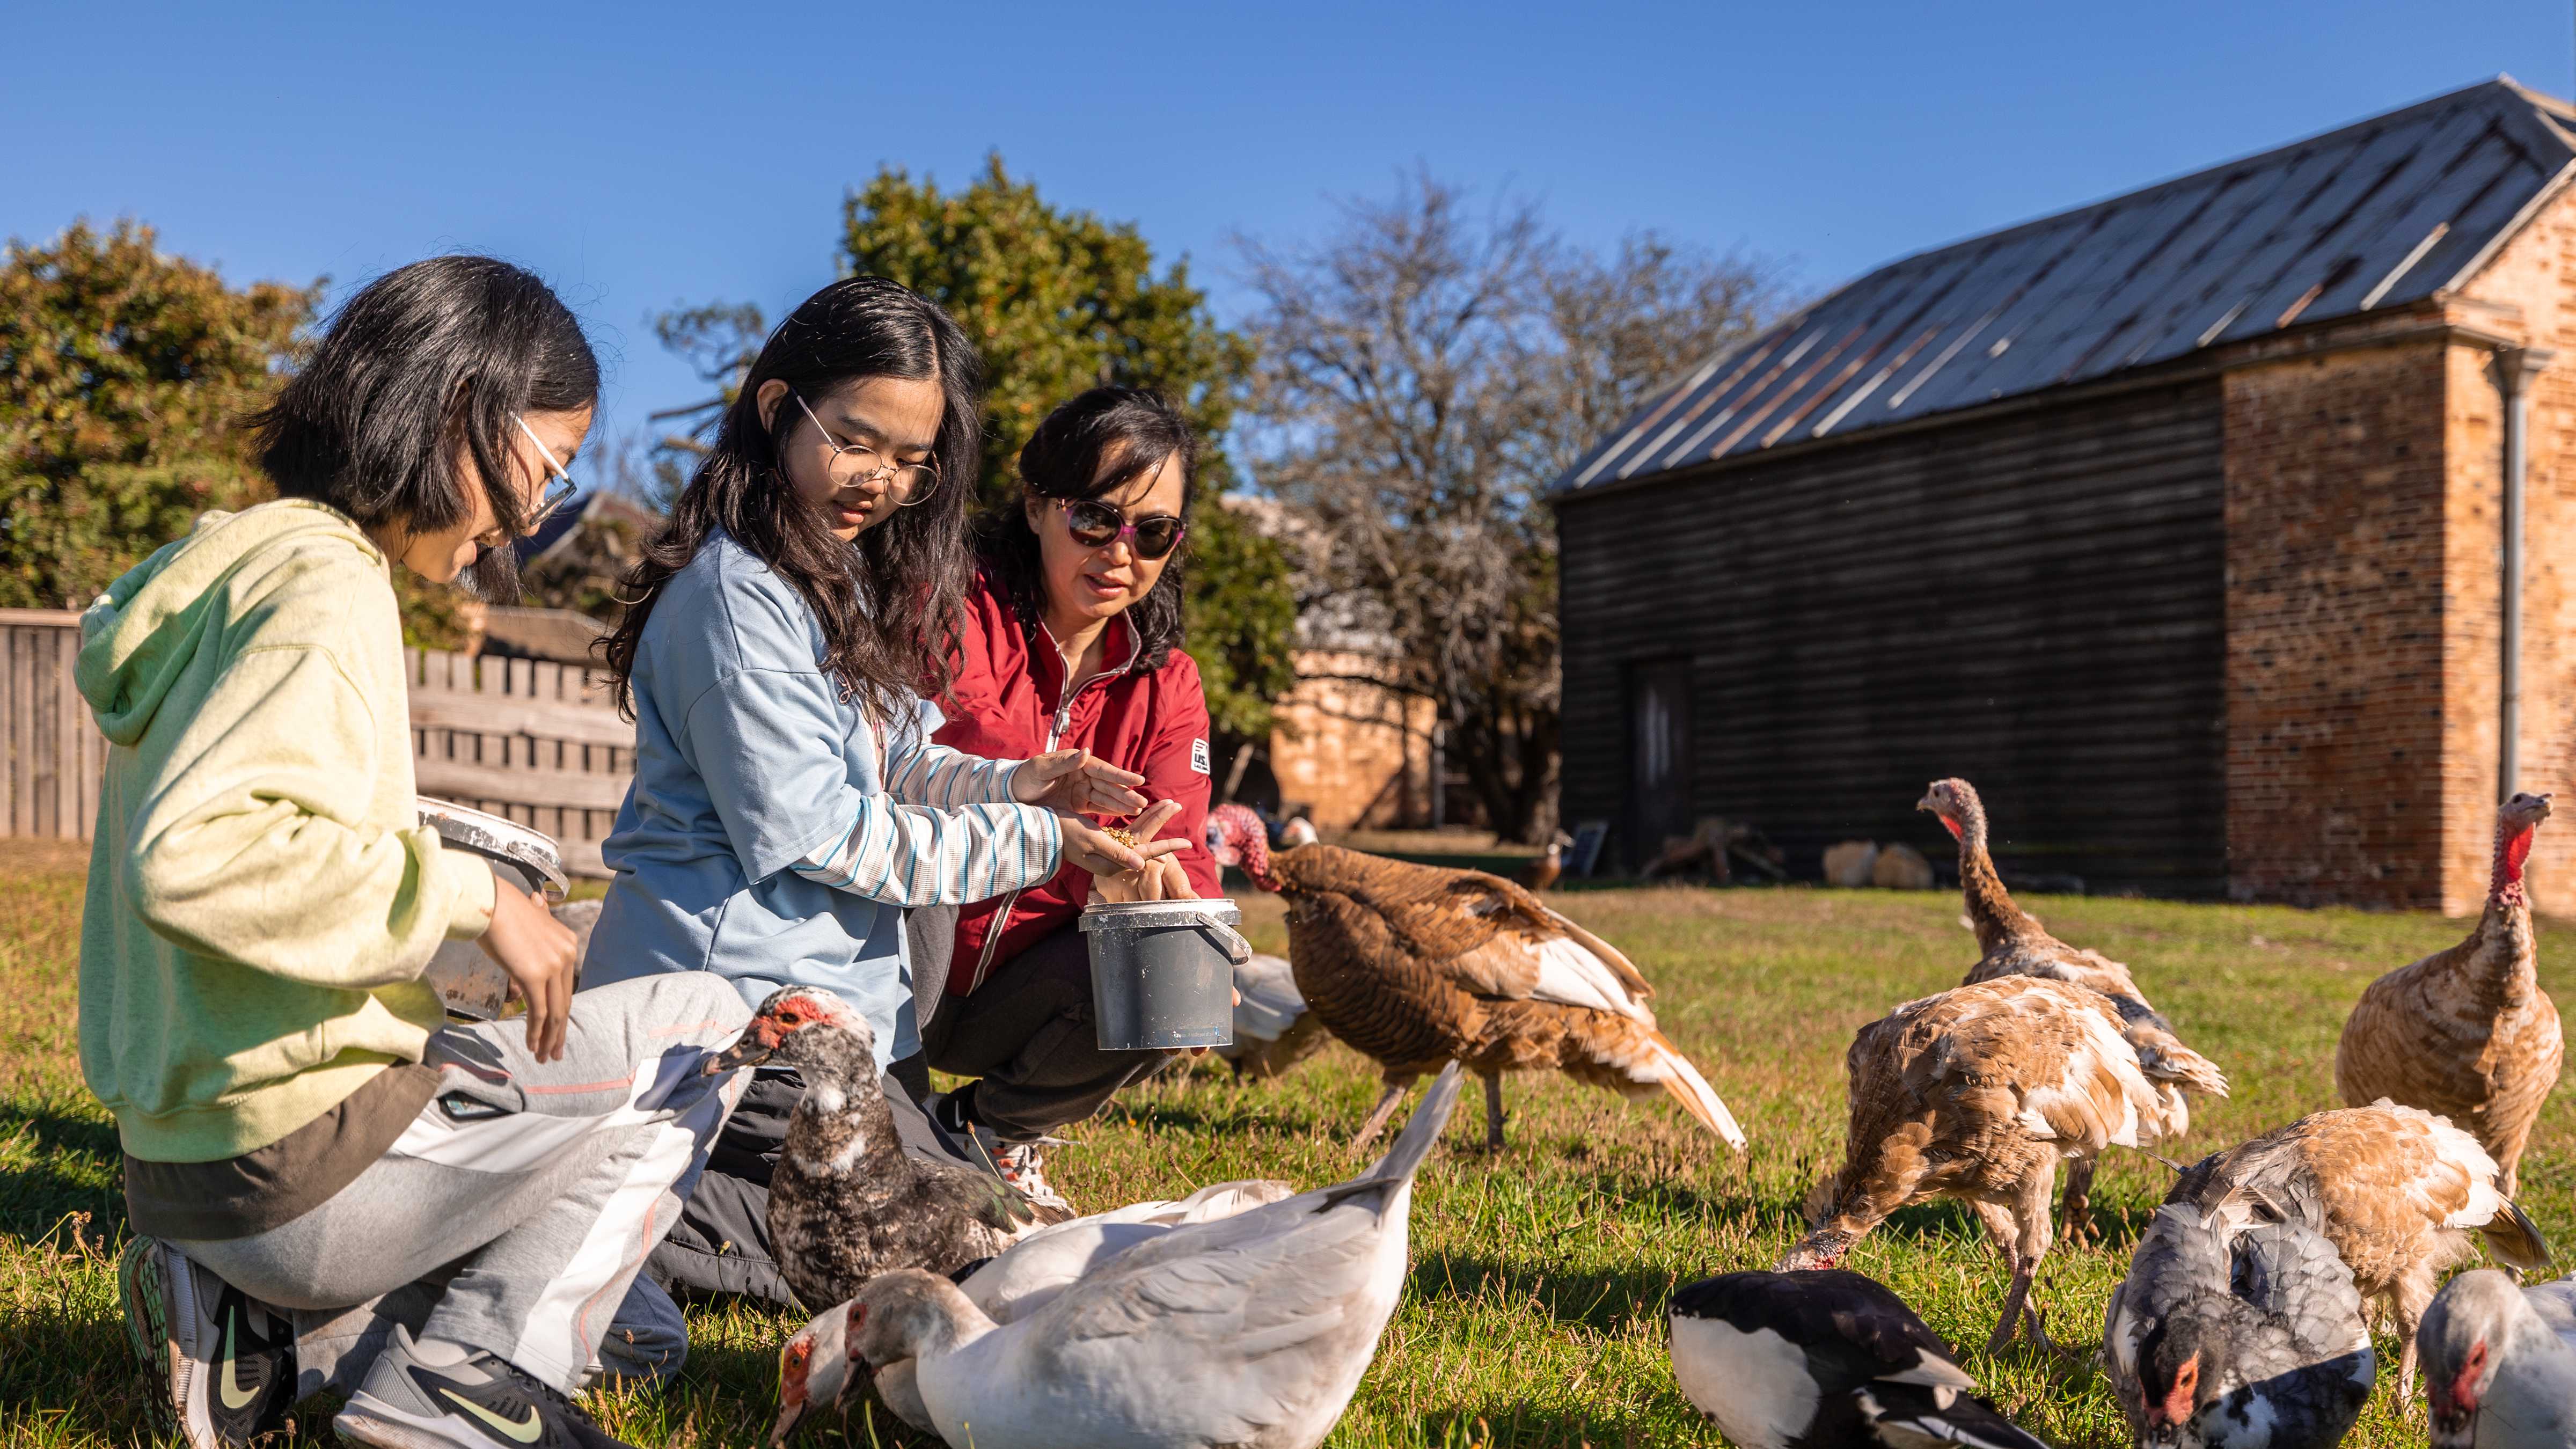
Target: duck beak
column 861, row 1372
column 789, row 1416
column 756, row 1045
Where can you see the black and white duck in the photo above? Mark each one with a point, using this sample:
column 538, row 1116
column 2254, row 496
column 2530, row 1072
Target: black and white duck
column 1825, row 1357
column 2238, row 1332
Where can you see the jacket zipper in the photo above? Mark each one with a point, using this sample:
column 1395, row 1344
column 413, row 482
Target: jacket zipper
column 1055, row 735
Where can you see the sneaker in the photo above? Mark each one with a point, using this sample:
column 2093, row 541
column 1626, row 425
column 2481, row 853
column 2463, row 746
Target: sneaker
column 1023, row 1165
column 426, row 1394
column 221, row 1364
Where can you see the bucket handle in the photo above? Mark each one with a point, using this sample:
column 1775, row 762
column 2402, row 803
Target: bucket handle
column 1237, row 950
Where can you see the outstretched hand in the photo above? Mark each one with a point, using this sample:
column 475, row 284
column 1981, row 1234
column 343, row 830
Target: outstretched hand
column 1162, row 879
column 1104, row 854
column 1076, row 782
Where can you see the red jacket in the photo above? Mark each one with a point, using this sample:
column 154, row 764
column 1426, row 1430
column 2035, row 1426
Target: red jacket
column 1007, row 704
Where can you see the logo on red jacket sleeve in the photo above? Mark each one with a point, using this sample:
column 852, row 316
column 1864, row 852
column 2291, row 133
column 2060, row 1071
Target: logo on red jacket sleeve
column 1199, row 756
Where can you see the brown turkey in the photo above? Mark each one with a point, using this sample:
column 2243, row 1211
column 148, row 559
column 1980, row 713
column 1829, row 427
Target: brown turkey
column 1415, row 966
column 1978, row 1094
column 2467, row 1033
column 2014, row 943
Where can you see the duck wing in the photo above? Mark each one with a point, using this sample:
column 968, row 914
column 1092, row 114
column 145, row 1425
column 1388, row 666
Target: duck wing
column 2311, row 1361
column 1851, row 1329
column 1910, row 1416
column 1221, row 1333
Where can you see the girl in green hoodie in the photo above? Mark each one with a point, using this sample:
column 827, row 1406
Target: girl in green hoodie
column 304, row 1134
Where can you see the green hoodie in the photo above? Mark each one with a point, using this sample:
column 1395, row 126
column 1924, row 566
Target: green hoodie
column 262, row 896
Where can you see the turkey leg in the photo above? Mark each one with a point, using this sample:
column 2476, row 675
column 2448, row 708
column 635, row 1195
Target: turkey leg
column 2078, row 1207
column 1396, row 1087
column 2030, row 1218
column 1493, row 1111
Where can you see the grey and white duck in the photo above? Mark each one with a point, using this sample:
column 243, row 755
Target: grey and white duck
column 814, row 1364
column 1823, row 1359
column 2500, row 1361
column 1253, row 1330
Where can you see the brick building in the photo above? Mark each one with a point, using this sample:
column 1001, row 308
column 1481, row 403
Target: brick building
column 1352, row 749
column 2177, row 522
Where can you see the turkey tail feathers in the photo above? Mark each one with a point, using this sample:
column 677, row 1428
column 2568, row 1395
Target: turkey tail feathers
column 1677, row 1076
column 2165, row 1059
column 2514, row 1238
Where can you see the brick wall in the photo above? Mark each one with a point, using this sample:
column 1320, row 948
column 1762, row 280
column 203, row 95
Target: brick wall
column 2336, row 640
column 2527, row 292
column 1352, row 753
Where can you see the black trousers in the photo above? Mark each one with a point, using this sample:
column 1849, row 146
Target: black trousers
column 1026, row 1036
column 720, row 1245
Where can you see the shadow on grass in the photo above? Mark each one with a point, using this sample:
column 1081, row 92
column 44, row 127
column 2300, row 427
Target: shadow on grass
column 57, row 1163
column 1522, row 1426
column 1576, row 1297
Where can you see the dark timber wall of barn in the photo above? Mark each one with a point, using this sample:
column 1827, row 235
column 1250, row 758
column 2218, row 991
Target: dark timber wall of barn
column 2034, row 601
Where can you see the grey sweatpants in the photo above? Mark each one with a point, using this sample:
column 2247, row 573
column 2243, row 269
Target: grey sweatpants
column 518, row 1206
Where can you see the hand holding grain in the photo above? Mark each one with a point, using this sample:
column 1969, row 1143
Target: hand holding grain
column 1113, row 851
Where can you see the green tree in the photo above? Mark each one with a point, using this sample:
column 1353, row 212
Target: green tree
column 124, row 374
column 1058, row 301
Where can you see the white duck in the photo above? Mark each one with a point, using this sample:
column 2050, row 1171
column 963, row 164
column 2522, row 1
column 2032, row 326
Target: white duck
column 2501, row 1363
column 1273, row 1029
column 814, row 1363
column 1253, row 1330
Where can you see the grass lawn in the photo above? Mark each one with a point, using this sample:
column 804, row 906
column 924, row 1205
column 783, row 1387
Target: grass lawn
column 1536, row 1310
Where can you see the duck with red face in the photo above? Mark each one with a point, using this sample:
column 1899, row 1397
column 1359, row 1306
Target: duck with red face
column 2500, row 1361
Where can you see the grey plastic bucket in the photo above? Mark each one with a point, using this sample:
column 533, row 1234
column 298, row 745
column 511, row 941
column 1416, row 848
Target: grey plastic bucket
column 471, row 983
column 1162, row 973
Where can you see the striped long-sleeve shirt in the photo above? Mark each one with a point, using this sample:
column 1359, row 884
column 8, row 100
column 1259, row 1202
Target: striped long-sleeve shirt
column 946, row 832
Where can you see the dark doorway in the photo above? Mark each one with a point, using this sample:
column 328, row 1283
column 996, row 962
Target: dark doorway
column 1659, row 754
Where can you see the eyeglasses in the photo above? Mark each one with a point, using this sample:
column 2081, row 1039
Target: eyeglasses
column 856, row 463
column 559, row 485
column 1095, row 524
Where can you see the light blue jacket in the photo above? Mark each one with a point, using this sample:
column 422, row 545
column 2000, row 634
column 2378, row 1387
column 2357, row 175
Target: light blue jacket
column 761, row 839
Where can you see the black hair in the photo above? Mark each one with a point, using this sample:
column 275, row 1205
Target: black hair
column 890, row 604
column 1129, row 431
column 427, row 362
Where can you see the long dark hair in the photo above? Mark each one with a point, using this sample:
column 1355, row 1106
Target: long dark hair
column 1138, row 428
column 433, row 359
column 891, row 603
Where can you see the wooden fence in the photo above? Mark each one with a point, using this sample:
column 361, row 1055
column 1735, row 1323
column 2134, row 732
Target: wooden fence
column 541, row 744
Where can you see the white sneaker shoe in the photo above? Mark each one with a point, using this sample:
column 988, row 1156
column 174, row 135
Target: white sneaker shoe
column 1023, row 1165
column 425, row 1394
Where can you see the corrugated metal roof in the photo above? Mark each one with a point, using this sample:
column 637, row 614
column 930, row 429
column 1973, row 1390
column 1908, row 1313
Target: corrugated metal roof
column 2377, row 214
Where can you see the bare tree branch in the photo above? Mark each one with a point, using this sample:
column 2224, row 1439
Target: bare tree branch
column 1425, row 372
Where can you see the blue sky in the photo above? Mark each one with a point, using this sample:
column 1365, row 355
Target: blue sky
column 643, row 155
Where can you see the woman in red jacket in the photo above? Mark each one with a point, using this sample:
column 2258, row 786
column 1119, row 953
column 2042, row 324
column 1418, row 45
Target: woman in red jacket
column 1072, row 639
